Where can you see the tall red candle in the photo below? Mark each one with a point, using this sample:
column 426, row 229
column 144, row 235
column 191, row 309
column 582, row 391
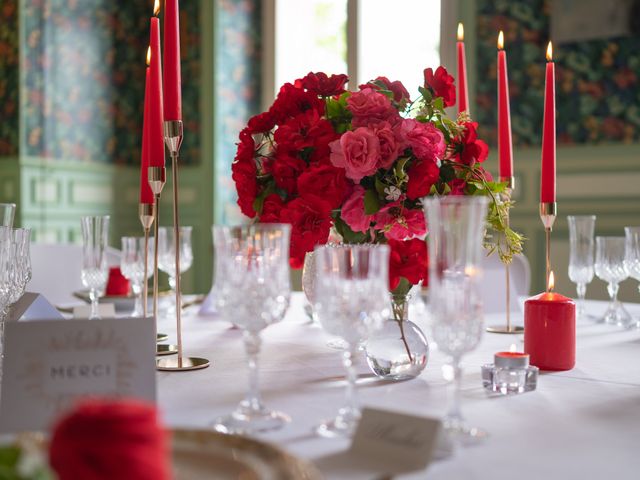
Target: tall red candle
column 505, row 148
column 550, row 330
column 156, row 134
column 548, row 174
column 463, row 94
column 172, row 78
column 146, row 195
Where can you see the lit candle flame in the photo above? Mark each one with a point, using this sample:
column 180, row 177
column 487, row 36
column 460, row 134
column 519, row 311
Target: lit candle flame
column 156, row 7
column 513, row 348
column 500, row 40
column 460, row 32
column 552, row 282
column 549, row 52
column 149, row 56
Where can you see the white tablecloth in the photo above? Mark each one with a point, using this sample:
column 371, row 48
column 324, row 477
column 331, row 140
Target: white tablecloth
column 584, row 423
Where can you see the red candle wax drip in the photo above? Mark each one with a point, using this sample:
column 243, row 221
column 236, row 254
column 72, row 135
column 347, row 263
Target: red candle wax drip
column 548, row 173
column 172, row 77
column 505, row 147
column 146, row 195
column 550, row 331
column 156, row 133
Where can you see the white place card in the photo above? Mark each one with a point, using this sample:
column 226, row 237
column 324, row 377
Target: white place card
column 33, row 306
column 49, row 365
column 105, row 310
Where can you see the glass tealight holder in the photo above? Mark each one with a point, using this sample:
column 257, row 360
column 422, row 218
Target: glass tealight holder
column 509, row 380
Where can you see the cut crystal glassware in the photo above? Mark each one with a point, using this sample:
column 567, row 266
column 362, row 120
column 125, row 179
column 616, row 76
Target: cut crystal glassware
column 581, row 259
column 132, row 267
column 610, row 266
column 632, row 258
column 95, row 233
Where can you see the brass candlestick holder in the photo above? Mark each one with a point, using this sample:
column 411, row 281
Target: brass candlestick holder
column 157, row 179
column 508, row 328
column 173, row 135
column 548, row 214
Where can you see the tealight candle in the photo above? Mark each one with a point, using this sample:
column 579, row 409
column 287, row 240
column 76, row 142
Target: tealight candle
column 511, row 359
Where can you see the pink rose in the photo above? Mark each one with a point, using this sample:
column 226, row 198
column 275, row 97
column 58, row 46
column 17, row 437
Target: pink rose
column 369, row 106
column 358, row 152
column 389, row 144
column 426, row 141
column 400, row 223
column 353, row 211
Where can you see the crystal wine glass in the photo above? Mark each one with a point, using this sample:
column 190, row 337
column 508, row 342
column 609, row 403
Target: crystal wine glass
column 611, row 267
column 456, row 229
column 632, row 257
column 5, row 271
column 95, row 232
column 20, row 263
column 352, row 291
column 253, row 291
column 581, row 259
column 167, row 254
column 7, row 212
column 132, row 267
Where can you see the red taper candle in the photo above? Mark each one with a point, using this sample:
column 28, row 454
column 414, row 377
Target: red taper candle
column 156, row 133
column 548, row 173
column 505, row 148
column 463, row 94
column 146, row 195
column 172, row 79
column 550, row 330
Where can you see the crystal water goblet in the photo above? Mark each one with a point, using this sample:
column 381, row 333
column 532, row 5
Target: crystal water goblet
column 351, row 301
column 167, row 255
column 610, row 266
column 632, row 258
column 20, row 263
column 132, row 267
column 95, row 232
column 456, row 229
column 252, row 278
column 581, row 258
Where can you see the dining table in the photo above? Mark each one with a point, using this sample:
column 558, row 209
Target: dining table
column 578, row 424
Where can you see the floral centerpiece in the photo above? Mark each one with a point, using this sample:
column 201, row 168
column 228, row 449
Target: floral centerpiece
column 358, row 164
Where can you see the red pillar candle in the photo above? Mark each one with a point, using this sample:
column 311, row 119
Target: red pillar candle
column 156, row 134
column 172, row 78
column 463, row 94
column 550, row 330
column 505, row 149
column 548, row 173
column 146, row 195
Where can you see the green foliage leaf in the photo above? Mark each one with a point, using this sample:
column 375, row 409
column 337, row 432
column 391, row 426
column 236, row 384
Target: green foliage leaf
column 348, row 235
column 371, row 202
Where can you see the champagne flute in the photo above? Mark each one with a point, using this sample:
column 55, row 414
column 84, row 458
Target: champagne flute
column 95, row 232
column 253, row 291
column 456, row 229
column 611, row 267
column 581, row 259
column 352, row 290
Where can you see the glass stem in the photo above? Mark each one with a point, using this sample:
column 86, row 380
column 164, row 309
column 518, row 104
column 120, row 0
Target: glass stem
column 252, row 344
column 93, row 295
column 581, row 290
column 351, row 410
column 137, row 292
column 612, row 288
column 455, row 413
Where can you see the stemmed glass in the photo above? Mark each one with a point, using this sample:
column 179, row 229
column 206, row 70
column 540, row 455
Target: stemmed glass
column 7, row 212
column 456, row 228
column 167, row 253
column 581, row 260
column 611, row 267
column 95, row 232
column 632, row 256
column 132, row 267
column 19, row 263
column 253, row 284
column 352, row 291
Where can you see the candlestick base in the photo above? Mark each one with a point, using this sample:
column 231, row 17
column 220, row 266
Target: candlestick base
column 181, row 364
column 504, row 329
column 166, row 349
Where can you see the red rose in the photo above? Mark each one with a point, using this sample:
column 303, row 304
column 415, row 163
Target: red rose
column 408, row 259
column 457, row 186
column 441, row 84
column 422, row 175
column 322, row 85
column 261, row 123
column 292, row 101
column 244, row 172
column 286, row 169
column 467, row 148
column 326, row 182
column 306, row 134
column 310, row 219
column 400, row 94
column 272, row 209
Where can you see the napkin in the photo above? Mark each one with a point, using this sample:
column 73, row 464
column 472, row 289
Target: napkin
column 108, row 439
column 117, row 284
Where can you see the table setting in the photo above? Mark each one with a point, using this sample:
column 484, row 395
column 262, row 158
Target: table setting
column 386, row 365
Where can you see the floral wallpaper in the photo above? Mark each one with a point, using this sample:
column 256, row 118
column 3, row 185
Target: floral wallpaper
column 237, row 91
column 9, row 78
column 597, row 85
column 84, row 70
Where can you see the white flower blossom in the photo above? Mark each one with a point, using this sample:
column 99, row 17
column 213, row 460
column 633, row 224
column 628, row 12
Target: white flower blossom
column 392, row 193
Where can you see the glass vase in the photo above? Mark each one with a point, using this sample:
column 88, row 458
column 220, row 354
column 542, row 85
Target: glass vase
column 399, row 351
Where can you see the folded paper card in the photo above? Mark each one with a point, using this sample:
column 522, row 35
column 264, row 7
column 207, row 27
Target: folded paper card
column 105, row 310
column 33, row 306
column 49, row 365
